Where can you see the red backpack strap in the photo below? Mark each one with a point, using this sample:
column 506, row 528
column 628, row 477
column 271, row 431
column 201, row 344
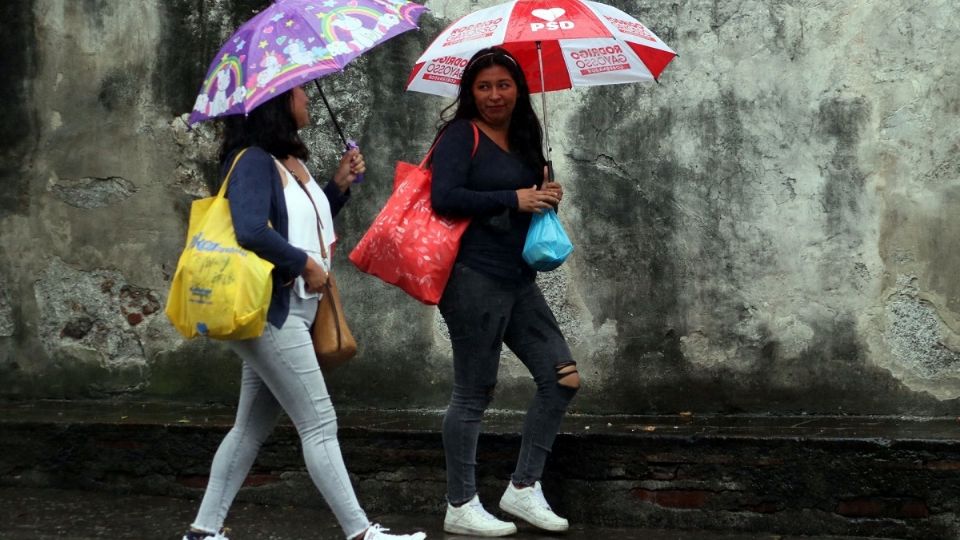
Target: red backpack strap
column 476, row 145
column 476, row 139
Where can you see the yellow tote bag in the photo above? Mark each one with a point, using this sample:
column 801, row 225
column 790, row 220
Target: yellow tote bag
column 220, row 290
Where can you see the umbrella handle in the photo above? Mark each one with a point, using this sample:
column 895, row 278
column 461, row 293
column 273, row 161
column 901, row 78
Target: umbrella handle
column 351, row 144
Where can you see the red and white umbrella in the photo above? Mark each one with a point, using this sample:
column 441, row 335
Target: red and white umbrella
column 558, row 43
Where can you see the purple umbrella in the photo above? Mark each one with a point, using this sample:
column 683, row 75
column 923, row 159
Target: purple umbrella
column 293, row 42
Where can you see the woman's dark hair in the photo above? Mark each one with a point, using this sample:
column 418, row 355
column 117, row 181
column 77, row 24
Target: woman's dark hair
column 525, row 135
column 270, row 126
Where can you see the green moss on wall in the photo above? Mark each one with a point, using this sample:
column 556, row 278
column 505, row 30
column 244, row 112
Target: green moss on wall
column 200, row 371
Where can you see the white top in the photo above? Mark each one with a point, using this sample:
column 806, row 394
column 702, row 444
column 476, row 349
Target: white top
column 302, row 224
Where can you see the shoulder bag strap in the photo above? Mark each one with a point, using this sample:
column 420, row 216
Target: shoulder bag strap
column 476, row 144
column 223, row 187
column 323, row 245
column 327, row 293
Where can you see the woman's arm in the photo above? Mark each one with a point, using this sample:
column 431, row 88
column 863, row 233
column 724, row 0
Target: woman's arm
column 337, row 190
column 451, row 167
column 338, row 199
column 249, row 194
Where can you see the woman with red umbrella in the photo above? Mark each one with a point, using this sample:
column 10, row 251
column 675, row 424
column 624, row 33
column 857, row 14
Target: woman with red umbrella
column 492, row 297
column 282, row 214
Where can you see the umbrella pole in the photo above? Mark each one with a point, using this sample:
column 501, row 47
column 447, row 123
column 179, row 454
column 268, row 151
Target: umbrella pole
column 543, row 105
column 329, row 110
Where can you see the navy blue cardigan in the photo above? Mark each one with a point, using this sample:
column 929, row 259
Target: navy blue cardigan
column 256, row 196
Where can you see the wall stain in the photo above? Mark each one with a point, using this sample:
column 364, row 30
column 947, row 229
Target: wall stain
column 18, row 136
column 97, row 11
column 842, row 120
column 649, row 274
column 787, row 37
column 120, row 88
column 628, row 221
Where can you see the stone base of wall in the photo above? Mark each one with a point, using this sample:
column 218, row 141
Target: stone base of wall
column 886, row 477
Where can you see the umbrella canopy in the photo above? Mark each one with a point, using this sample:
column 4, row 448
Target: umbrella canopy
column 293, row 42
column 582, row 43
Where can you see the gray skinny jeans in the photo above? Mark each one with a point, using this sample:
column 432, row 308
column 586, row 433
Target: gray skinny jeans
column 482, row 313
column 280, row 373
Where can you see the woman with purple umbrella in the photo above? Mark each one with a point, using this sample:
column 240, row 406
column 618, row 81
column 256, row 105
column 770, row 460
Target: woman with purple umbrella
column 282, row 214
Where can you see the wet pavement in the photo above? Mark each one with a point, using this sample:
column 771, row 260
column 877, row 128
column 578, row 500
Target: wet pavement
column 46, row 514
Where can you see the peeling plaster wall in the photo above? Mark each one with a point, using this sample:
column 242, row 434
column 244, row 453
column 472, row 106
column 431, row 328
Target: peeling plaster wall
column 771, row 229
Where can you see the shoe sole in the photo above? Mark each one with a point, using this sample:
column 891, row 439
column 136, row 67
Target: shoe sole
column 489, row 533
column 545, row 526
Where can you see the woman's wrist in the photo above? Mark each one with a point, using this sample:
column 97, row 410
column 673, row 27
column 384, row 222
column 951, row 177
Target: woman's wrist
column 310, row 265
column 342, row 184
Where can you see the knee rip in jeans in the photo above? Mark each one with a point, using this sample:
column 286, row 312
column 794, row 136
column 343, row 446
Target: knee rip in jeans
column 568, row 376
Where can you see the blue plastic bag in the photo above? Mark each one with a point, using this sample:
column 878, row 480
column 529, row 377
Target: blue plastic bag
column 547, row 244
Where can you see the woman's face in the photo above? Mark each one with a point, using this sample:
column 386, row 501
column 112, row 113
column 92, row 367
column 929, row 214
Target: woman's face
column 495, row 93
column 298, row 107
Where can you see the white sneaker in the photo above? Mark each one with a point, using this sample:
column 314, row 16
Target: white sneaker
column 529, row 505
column 376, row 532
column 473, row 520
column 205, row 536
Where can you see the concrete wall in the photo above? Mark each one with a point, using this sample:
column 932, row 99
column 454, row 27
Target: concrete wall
column 769, row 230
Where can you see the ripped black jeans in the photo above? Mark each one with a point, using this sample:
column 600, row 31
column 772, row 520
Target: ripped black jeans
column 482, row 313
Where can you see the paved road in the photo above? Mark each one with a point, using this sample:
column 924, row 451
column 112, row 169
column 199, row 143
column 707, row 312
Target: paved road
column 47, row 514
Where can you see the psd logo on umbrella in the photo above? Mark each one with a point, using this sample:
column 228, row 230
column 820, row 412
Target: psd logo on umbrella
column 550, row 15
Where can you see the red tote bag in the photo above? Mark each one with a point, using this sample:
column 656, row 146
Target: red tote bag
column 408, row 244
